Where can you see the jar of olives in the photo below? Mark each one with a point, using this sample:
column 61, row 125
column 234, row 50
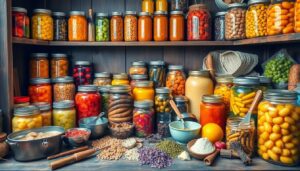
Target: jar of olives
column 64, row 114
column 60, row 26
column 28, row 117
column 102, row 27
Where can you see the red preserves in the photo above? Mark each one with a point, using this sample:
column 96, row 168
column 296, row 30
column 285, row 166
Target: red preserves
column 82, row 73
column 40, row 90
column 20, row 22
column 143, row 118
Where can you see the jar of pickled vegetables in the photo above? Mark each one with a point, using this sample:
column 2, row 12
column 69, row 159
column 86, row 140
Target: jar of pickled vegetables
column 297, row 16
column 102, row 79
column 64, row 114
column 176, row 80
column 77, row 25
column 59, row 65
column 223, row 89
column 28, row 117
column 116, row 27
column 87, row 101
column 281, row 17
column 137, row 78
column 162, row 99
column 40, row 90
column 21, row 101
column 104, row 92
column 39, row 65
column 144, row 27
column 157, row 73
column 256, row 18
column 242, row 95
column 46, row 113
column 20, row 22
column 120, row 79
column 143, row 91
column 278, row 128
column 235, row 22
column 265, row 83
column 130, row 26
column 63, row 89
column 177, row 26
column 60, row 26
column 143, row 118
column 42, row 24
column 148, row 6
column 179, row 5
column 82, row 73
column 138, row 68
column 102, row 27
column 161, row 5
column 160, row 26
column 219, row 26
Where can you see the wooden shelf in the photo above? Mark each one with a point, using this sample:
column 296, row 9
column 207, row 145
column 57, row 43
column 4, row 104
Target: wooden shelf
column 285, row 38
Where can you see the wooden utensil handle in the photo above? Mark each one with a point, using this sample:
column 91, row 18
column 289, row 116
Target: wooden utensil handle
column 68, row 152
column 173, row 105
column 209, row 160
column 257, row 98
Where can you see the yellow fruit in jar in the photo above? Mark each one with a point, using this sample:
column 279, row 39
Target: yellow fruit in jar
column 295, row 116
column 279, row 144
column 276, row 128
column 286, row 160
column 273, row 155
column 289, row 120
column 265, row 135
column 287, row 138
column 213, row 132
column 284, row 112
column 268, row 127
column 273, row 112
column 294, row 152
column 278, row 120
column 263, row 148
column 276, row 150
column 286, row 152
column 261, row 141
column 275, row 136
column 269, row 144
column 285, row 132
column 285, row 125
column 265, row 156
column 289, row 146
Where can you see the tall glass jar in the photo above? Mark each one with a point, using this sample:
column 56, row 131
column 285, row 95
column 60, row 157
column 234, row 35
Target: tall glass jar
column 130, row 26
column 46, row 113
column 137, row 78
column 161, row 5
column 160, row 26
column 120, row 79
column 157, row 73
column 138, row 68
column 143, row 90
column 77, row 25
column 220, row 26
column 116, row 27
column 102, row 27
column 40, row 90
column 42, row 24
column 223, row 89
column 179, row 5
column 297, row 16
column 176, row 26
column 59, row 65
column 235, row 22
column 60, row 26
column 82, row 73
column 102, row 79
column 148, row 6
column 104, row 92
column 143, row 118
column 20, row 26
column 64, row 114
column 176, row 80
column 28, row 117
column 39, row 65
column 144, row 27
column 63, row 89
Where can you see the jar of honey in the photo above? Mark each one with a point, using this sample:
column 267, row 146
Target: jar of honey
column 59, row 65
column 39, row 65
column 177, row 26
column 143, row 91
column 116, row 27
column 160, row 26
column 120, row 79
column 144, row 27
column 40, row 90
column 77, row 25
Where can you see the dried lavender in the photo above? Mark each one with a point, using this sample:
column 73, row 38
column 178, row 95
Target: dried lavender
column 154, row 157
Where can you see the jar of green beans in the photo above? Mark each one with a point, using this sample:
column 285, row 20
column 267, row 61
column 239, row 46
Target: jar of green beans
column 102, row 27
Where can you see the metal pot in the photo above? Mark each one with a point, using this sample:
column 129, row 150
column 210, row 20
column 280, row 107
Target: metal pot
column 28, row 150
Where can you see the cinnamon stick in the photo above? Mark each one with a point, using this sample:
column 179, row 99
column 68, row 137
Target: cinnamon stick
column 76, row 150
column 209, row 160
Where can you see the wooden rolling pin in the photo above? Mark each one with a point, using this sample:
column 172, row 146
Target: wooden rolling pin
column 62, row 154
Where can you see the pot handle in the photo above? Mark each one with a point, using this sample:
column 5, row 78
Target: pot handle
column 45, row 145
column 12, row 144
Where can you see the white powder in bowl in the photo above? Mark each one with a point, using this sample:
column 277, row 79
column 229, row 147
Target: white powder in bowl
column 202, row 146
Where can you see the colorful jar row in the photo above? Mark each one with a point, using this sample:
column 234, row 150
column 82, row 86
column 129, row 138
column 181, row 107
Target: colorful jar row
column 162, row 5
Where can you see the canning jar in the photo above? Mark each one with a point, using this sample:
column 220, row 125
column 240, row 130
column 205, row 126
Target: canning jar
column 104, row 92
column 235, row 22
column 46, row 113
column 265, row 83
column 60, row 26
column 256, row 18
column 281, row 17
column 20, row 22
column 143, row 90
column 160, row 26
column 223, row 89
column 297, row 16
column 63, row 89
column 220, row 26
column 297, row 89
column 82, row 73
column 102, row 27
column 182, row 104
column 21, row 101
column 143, row 118
column 130, row 26
column 77, row 25
column 179, row 5
column 120, row 79
column 64, row 114
column 87, row 101
column 161, row 5
column 40, row 90
column 59, row 65
column 176, row 80
column 102, row 79
column 242, row 95
column 137, row 78
column 148, row 6
column 144, row 27
column 42, row 24
column 39, row 65
column 163, row 111
column 278, row 128
column 28, row 117
column 176, row 26
column 157, row 73
column 138, row 68
column 198, row 23
column 116, row 27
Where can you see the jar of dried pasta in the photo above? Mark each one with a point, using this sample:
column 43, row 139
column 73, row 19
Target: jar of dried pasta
column 39, row 65
column 77, row 26
column 130, row 26
column 42, row 24
column 63, row 89
column 59, row 65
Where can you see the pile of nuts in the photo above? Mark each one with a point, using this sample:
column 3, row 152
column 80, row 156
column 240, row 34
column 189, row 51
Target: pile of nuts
column 113, row 152
column 235, row 24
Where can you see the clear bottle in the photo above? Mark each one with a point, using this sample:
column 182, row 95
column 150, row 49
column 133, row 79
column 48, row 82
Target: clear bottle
column 143, row 118
column 176, row 80
column 102, row 27
column 28, row 117
column 91, row 26
column 64, row 114
column 163, row 111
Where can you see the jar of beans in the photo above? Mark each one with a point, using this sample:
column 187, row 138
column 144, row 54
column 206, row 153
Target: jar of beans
column 160, row 26
column 42, row 24
column 138, row 68
column 176, row 80
column 220, row 26
column 297, row 16
column 102, row 79
column 102, row 27
column 77, row 26
column 20, row 22
column 39, row 65
column 46, row 113
column 143, row 118
column 40, row 90
column 177, row 26
column 235, row 22
column 59, row 65
column 179, row 5
column 116, row 27
column 63, row 89
column 130, row 26
column 60, row 26
column 82, row 73
column 137, row 78
column 144, row 27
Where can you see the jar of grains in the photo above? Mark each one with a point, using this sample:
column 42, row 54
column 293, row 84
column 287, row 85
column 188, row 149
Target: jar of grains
column 60, row 26
column 77, row 25
column 45, row 110
column 235, row 22
column 220, row 26
column 144, row 27
column 160, row 26
column 40, row 90
column 143, row 118
column 130, row 26
column 138, row 68
column 39, row 65
column 20, row 22
column 116, row 27
column 63, row 89
column 102, row 79
column 59, row 65
column 177, row 26
column 42, row 24
column 102, row 27
column 64, row 114
column 28, row 117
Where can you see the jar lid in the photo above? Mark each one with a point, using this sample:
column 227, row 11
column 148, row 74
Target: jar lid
column 203, row 73
column 45, row 11
column 26, row 111
column 212, row 99
column 144, row 14
column 63, row 104
column 42, row 106
column 264, row 80
column 40, row 81
column 181, row 99
column 220, row 13
column 101, row 14
column 162, row 90
column 176, row 13
column 87, row 88
column 224, row 79
column 251, row 2
column 116, row 13
column 59, row 14
column 104, row 89
column 21, row 99
column 120, row 76
column 39, row 55
column 157, row 63
column 246, row 81
column 284, row 96
column 82, row 63
column 139, row 77
column 3, row 136
column 81, row 13
column 234, row 122
column 175, row 67
column 59, row 55
column 19, row 9
column 143, row 103
column 144, row 84
column 130, row 12
column 237, row 5
column 197, row 6
column 66, row 79
column 102, row 75
column 160, row 13
column 138, row 63
column 120, row 89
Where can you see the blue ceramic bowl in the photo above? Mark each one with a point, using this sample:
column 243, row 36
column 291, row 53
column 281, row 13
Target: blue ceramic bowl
column 98, row 129
column 181, row 135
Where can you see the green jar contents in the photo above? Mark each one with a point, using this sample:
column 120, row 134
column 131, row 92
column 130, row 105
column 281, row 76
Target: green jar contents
column 170, row 147
column 104, row 92
column 64, row 114
column 102, row 27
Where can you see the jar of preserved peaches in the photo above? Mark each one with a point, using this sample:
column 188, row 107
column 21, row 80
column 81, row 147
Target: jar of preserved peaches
column 46, row 113
column 198, row 23
column 137, row 78
column 223, row 89
column 59, row 65
column 104, row 92
column 130, row 26
column 64, row 114
column 176, row 80
column 120, row 79
column 42, row 24
column 281, row 17
column 278, row 128
column 235, row 22
column 21, row 101
column 102, row 27
column 143, row 91
column 148, row 6
column 144, row 27
column 116, row 27
column 177, row 26
column 157, row 73
column 60, row 26
column 82, row 73
column 297, row 16
column 102, row 79
column 161, row 5
column 219, row 26
column 160, row 26
column 39, row 65
column 28, row 117
column 20, row 22
column 138, row 68
column 40, row 90
column 77, row 25
column 143, row 118
column 63, row 89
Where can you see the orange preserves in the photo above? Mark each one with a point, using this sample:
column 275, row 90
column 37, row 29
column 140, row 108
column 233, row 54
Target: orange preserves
column 59, row 65
column 39, row 65
column 176, row 26
column 116, row 27
column 160, row 26
column 161, row 5
column 144, row 27
column 148, row 6
column 297, row 16
column 130, row 26
column 77, row 26
column 40, row 90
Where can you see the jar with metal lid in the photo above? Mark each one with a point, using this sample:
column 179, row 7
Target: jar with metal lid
column 157, row 73
column 182, row 104
column 40, row 90
column 120, row 79
column 104, row 92
column 60, row 26
column 138, row 68
column 143, row 90
column 148, row 6
column 42, row 24
column 219, row 26
column 177, row 25
column 130, row 26
column 102, row 27
column 163, row 111
column 176, row 80
column 59, row 65
column 161, row 5
column 297, row 16
column 297, row 89
column 278, row 128
column 160, row 26
column 20, row 22
column 143, row 118
column 64, row 114
column 265, row 83
column 46, row 113
column 144, row 27
column 235, row 22
column 82, row 73
column 63, row 89
column 179, row 5
column 39, row 65
column 116, row 27
column 137, row 78
column 28, row 117
column 223, row 89
column 21, row 101
column 102, row 79
column 77, row 25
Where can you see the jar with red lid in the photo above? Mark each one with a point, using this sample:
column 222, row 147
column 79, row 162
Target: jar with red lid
column 87, row 101
column 198, row 23
column 137, row 78
column 40, row 90
column 82, row 73
column 160, row 26
column 143, row 118
column 21, row 101
column 20, row 22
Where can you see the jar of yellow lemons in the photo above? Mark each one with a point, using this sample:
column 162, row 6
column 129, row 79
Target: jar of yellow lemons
column 28, row 117
column 64, row 114
column 42, row 24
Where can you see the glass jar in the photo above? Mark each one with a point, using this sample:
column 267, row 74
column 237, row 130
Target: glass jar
column 25, row 118
column 163, row 111
column 21, row 101
column 157, row 73
column 297, row 16
column 39, row 65
column 148, row 6
column 116, row 27
column 182, row 104
column 160, row 25
column 223, row 89
column 42, row 24
column 59, row 65
column 177, row 26
column 281, row 17
column 220, row 26
column 235, row 22
column 143, row 91
column 256, row 18
column 179, row 5
column 102, row 79
column 137, row 78
column 161, row 5
column 77, row 25
column 120, row 79
column 138, row 68
column 265, row 83
column 245, row 134
column 278, row 128
column 82, row 73
column 46, row 113
column 63, row 89
column 102, row 27
column 20, row 22
column 87, row 101
column 143, row 118
column 176, row 80
column 198, row 23
column 104, row 92
column 64, row 114
column 130, row 26
column 198, row 84
column 144, row 27
column 60, row 26
column 297, row 89
column 40, row 90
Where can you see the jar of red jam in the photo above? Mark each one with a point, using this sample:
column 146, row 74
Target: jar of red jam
column 87, row 101
column 82, row 73
column 20, row 22
column 143, row 118
column 40, row 90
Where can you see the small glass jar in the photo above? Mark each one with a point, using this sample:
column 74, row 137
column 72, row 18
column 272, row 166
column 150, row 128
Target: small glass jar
column 144, row 27
column 137, row 78
column 46, row 113
column 220, row 26
column 40, row 90
column 59, row 65
column 160, row 26
column 42, row 24
column 138, row 68
column 130, row 26
column 21, row 101
column 102, row 27
column 77, row 25
column 39, row 65
column 20, row 26
column 179, row 5
column 102, row 79
column 104, row 92
column 177, row 26
column 25, row 118
column 143, row 118
column 82, row 73
column 297, row 16
column 148, row 6
column 116, row 27
column 157, row 73
column 223, row 89
column 161, row 5
column 60, row 26
column 120, row 79
column 163, row 111
column 265, row 83
column 63, row 89
column 182, row 103
column 176, row 80
column 235, row 22
column 64, row 114
column 143, row 91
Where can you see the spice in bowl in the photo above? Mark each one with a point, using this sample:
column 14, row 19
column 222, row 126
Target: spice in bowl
column 76, row 133
column 76, row 137
column 202, row 146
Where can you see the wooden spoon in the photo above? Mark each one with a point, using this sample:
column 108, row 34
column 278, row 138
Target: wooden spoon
column 173, row 105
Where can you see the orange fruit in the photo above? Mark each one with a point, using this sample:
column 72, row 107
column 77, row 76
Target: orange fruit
column 213, row 132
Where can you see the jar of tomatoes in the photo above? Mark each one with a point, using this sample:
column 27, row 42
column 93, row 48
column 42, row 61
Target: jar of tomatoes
column 120, row 79
column 46, row 113
column 176, row 80
column 63, row 89
column 198, row 23
column 20, row 22
column 143, row 118
column 28, row 117
column 64, row 114
column 59, row 65
column 116, row 27
column 157, row 73
column 130, row 26
column 104, row 92
column 160, row 25
column 42, row 24
column 39, row 65
column 143, row 91
column 138, row 68
column 177, row 26
column 137, row 78
column 40, row 90
column 77, row 25
column 60, row 26
column 161, row 5
column 148, row 6
column 144, row 27
column 82, row 73
column 102, row 79
column 223, row 89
